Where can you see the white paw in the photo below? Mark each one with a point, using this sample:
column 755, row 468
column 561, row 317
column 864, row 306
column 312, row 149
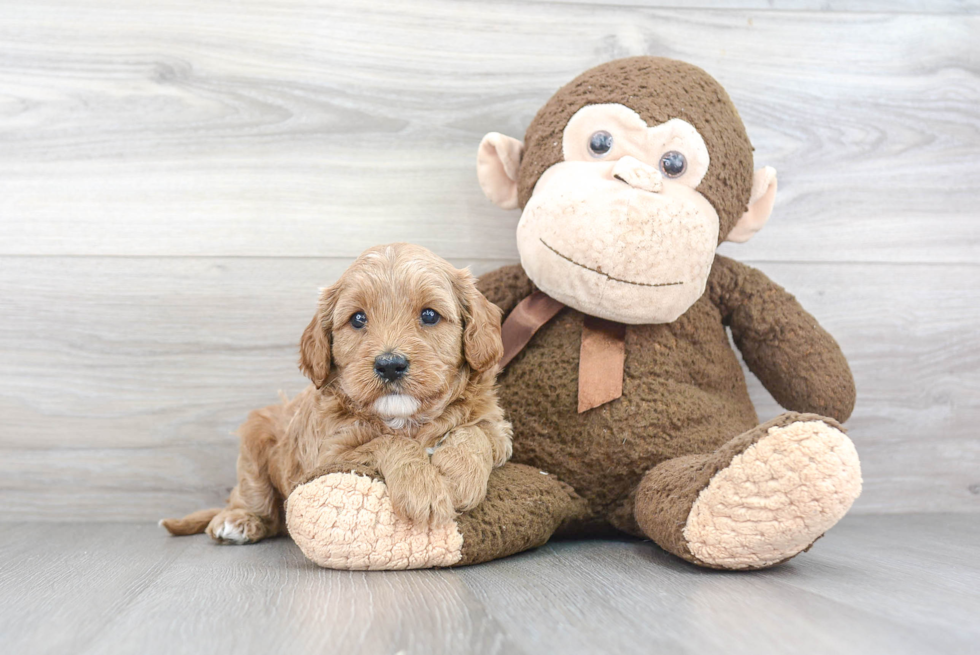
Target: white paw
column 231, row 533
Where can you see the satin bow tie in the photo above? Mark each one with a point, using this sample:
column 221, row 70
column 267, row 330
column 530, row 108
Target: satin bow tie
column 601, row 358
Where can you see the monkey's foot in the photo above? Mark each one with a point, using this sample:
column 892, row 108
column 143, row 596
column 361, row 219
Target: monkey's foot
column 776, row 498
column 346, row 521
column 760, row 499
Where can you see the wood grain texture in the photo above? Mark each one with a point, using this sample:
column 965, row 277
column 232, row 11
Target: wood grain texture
column 299, row 128
column 877, row 584
column 177, row 178
column 122, row 379
column 843, row 596
column 840, row 6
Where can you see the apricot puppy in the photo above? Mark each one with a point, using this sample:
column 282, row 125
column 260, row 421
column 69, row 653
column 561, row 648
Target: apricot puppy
column 402, row 354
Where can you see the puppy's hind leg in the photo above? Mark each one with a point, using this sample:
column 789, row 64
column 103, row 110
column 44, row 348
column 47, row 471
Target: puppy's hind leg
column 193, row 523
column 234, row 524
column 239, row 525
column 254, row 509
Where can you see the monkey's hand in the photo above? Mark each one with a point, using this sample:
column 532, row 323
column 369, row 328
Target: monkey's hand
column 797, row 361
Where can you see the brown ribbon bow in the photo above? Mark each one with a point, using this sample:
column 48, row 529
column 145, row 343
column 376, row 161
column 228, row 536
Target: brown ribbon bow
column 601, row 358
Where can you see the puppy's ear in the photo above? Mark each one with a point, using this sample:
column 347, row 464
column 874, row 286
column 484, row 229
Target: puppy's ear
column 482, row 346
column 314, row 345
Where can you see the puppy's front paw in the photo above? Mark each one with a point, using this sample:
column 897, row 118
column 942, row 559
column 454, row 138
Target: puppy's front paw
column 422, row 497
column 236, row 526
column 468, row 493
column 466, row 467
column 501, row 435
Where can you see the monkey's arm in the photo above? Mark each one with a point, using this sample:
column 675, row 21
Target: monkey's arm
column 505, row 287
column 795, row 359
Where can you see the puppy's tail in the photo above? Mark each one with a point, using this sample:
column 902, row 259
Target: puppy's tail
column 193, row 523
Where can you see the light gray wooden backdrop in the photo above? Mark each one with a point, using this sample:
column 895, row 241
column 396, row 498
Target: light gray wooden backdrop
column 177, row 178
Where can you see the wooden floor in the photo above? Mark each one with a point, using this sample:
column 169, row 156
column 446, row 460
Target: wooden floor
column 178, row 178
column 875, row 584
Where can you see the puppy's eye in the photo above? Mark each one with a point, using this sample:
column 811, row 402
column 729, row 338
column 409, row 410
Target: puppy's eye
column 358, row 320
column 673, row 164
column 600, row 143
column 429, row 316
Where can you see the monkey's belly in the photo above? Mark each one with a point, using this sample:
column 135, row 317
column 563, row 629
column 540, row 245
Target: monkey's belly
column 683, row 393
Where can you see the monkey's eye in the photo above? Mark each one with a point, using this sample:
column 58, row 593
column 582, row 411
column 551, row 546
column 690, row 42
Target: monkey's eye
column 358, row 320
column 429, row 316
column 600, row 143
column 673, row 164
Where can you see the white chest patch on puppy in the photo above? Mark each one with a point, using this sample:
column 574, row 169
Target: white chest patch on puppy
column 396, row 406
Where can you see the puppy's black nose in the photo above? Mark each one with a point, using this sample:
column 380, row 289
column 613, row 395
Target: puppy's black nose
column 389, row 367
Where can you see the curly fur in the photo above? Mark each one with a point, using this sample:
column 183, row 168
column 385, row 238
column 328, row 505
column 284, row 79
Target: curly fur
column 433, row 436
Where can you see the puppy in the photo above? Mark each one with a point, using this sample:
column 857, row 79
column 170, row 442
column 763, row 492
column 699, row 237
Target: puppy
column 402, row 354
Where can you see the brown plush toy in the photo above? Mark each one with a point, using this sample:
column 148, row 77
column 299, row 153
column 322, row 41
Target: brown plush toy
column 629, row 406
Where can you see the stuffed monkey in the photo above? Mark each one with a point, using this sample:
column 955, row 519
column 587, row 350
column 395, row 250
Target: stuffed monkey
column 629, row 406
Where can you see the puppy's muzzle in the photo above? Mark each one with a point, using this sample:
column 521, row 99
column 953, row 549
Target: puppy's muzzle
column 390, row 367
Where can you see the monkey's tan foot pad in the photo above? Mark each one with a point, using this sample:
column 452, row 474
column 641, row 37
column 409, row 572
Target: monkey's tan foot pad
column 346, row 521
column 775, row 498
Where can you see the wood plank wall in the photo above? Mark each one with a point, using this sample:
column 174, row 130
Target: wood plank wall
column 177, row 178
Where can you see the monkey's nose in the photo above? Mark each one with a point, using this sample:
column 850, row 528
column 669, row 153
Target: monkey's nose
column 638, row 175
column 390, row 367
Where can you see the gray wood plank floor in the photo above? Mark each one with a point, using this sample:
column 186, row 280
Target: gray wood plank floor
column 875, row 584
column 177, row 178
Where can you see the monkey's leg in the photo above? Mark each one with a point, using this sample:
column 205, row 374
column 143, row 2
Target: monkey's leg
column 760, row 499
column 344, row 520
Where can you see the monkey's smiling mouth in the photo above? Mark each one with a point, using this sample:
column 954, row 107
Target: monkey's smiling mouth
column 607, row 275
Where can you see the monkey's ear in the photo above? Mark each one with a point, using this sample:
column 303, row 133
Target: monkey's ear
column 314, row 345
column 760, row 206
column 498, row 164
